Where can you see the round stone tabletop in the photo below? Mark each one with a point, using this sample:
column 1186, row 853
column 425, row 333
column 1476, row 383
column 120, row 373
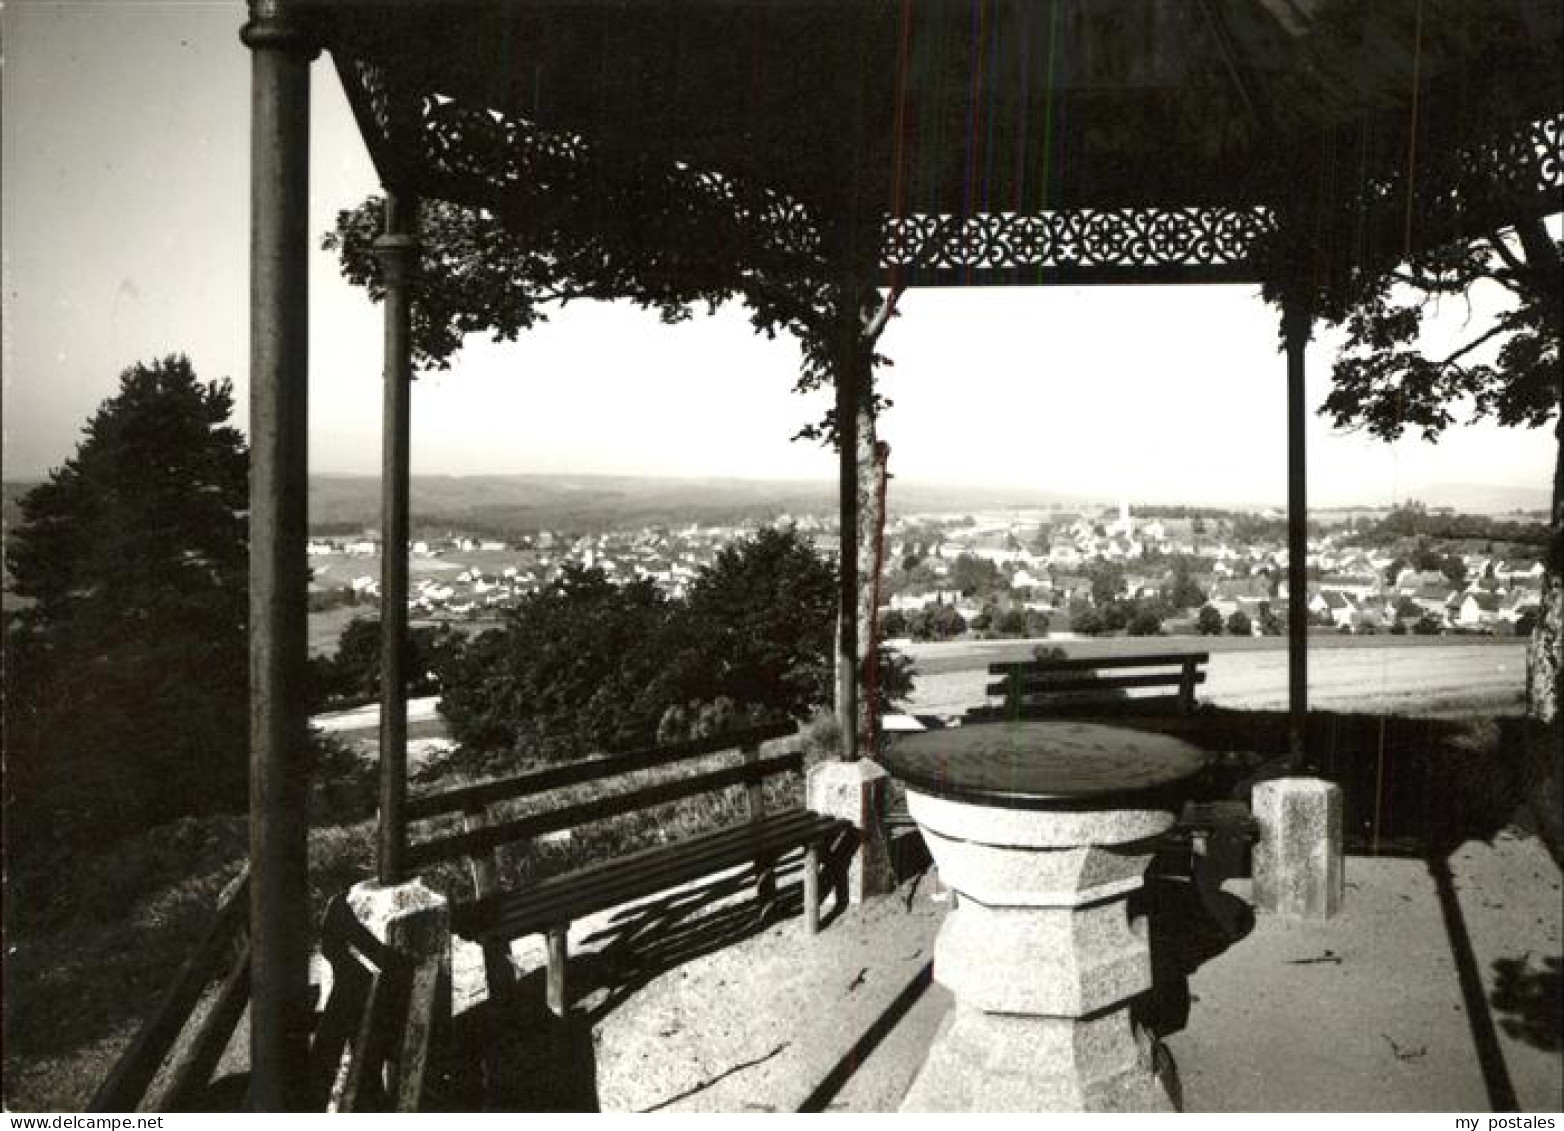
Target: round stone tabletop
column 1040, row 765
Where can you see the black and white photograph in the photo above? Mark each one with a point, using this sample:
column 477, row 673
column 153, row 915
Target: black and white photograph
column 782, row 556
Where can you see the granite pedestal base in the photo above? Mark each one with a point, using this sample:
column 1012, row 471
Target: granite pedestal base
column 1043, row 960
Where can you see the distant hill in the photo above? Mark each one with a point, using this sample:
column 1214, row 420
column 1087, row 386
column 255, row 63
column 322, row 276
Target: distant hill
column 508, row 504
column 1484, row 498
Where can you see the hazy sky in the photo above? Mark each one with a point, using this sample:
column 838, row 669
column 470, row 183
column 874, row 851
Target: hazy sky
column 125, row 228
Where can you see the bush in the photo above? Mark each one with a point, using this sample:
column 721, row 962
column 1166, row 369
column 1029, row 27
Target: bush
column 1088, row 622
column 1209, row 622
column 1144, row 622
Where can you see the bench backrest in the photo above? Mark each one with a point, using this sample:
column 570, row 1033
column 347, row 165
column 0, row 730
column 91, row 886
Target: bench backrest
column 1035, row 687
column 480, row 836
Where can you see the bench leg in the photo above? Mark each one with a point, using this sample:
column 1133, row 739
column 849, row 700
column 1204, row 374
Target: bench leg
column 558, row 958
column 812, row 888
column 766, row 883
column 1210, row 862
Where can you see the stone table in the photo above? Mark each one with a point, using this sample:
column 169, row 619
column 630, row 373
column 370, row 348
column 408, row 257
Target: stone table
column 1043, row 829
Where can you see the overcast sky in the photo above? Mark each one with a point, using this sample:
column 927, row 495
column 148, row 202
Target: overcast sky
column 125, row 229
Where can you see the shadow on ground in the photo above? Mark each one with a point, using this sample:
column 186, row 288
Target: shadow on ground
column 1530, row 1001
column 510, row 1053
column 1412, row 786
column 1186, row 933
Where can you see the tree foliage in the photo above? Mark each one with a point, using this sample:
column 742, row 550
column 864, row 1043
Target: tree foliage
column 1182, row 591
column 762, row 618
column 580, row 665
column 1508, row 372
column 352, row 675
column 586, row 665
column 1209, row 622
column 487, row 273
column 126, row 678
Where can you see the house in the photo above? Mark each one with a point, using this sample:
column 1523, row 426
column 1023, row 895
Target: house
column 1362, row 586
column 1241, row 588
column 1024, row 579
column 1343, row 609
column 1519, row 568
column 912, row 601
column 1478, row 609
column 1064, row 554
column 1410, row 579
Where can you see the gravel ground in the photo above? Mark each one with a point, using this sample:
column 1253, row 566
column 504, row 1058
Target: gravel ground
column 1437, row 989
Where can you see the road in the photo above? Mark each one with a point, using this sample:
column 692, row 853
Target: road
column 1438, row 676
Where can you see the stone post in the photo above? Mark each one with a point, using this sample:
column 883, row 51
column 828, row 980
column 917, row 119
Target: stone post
column 1298, row 865
column 415, row 922
column 855, row 792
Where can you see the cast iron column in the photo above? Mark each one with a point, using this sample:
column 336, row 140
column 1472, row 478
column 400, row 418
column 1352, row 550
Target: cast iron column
column 847, row 395
column 1295, row 333
column 280, row 54
column 398, row 253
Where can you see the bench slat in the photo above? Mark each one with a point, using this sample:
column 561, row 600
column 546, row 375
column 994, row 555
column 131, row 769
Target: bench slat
column 577, row 773
column 1045, row 684
column 537, row 908
column 1160, row 659
column 748, row 837
column 568, row 817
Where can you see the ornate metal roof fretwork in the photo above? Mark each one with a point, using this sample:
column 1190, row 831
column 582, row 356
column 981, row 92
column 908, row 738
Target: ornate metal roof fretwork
column 1084, row 245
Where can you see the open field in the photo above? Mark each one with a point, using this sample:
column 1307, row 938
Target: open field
column 1409, row 674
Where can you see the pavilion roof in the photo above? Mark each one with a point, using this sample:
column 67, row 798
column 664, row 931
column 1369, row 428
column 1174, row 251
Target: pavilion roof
column 986, row 139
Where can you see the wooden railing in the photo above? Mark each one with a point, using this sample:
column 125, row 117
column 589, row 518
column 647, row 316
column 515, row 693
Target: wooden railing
column 371, row 1045
column 190, row 1061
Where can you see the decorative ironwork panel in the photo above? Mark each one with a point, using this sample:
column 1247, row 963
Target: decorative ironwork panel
column 1122, row 239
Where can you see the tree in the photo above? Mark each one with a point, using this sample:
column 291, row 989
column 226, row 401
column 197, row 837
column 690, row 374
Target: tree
column 1270, row 623
column 1509, row 371
column 580, row 665
column 1116, row 614
column 1144, row 622
column 1209, row 622
column 937, row 622
column 973, row 576
column 1087, row 621
column 126, row 678
column 352, row 675
column 1182, row 592
column 1239, row 624
column 1107, row 581
column 761, row 618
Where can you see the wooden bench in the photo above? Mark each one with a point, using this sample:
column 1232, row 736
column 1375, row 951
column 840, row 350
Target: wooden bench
column 1045, row 688
column 495, row 918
